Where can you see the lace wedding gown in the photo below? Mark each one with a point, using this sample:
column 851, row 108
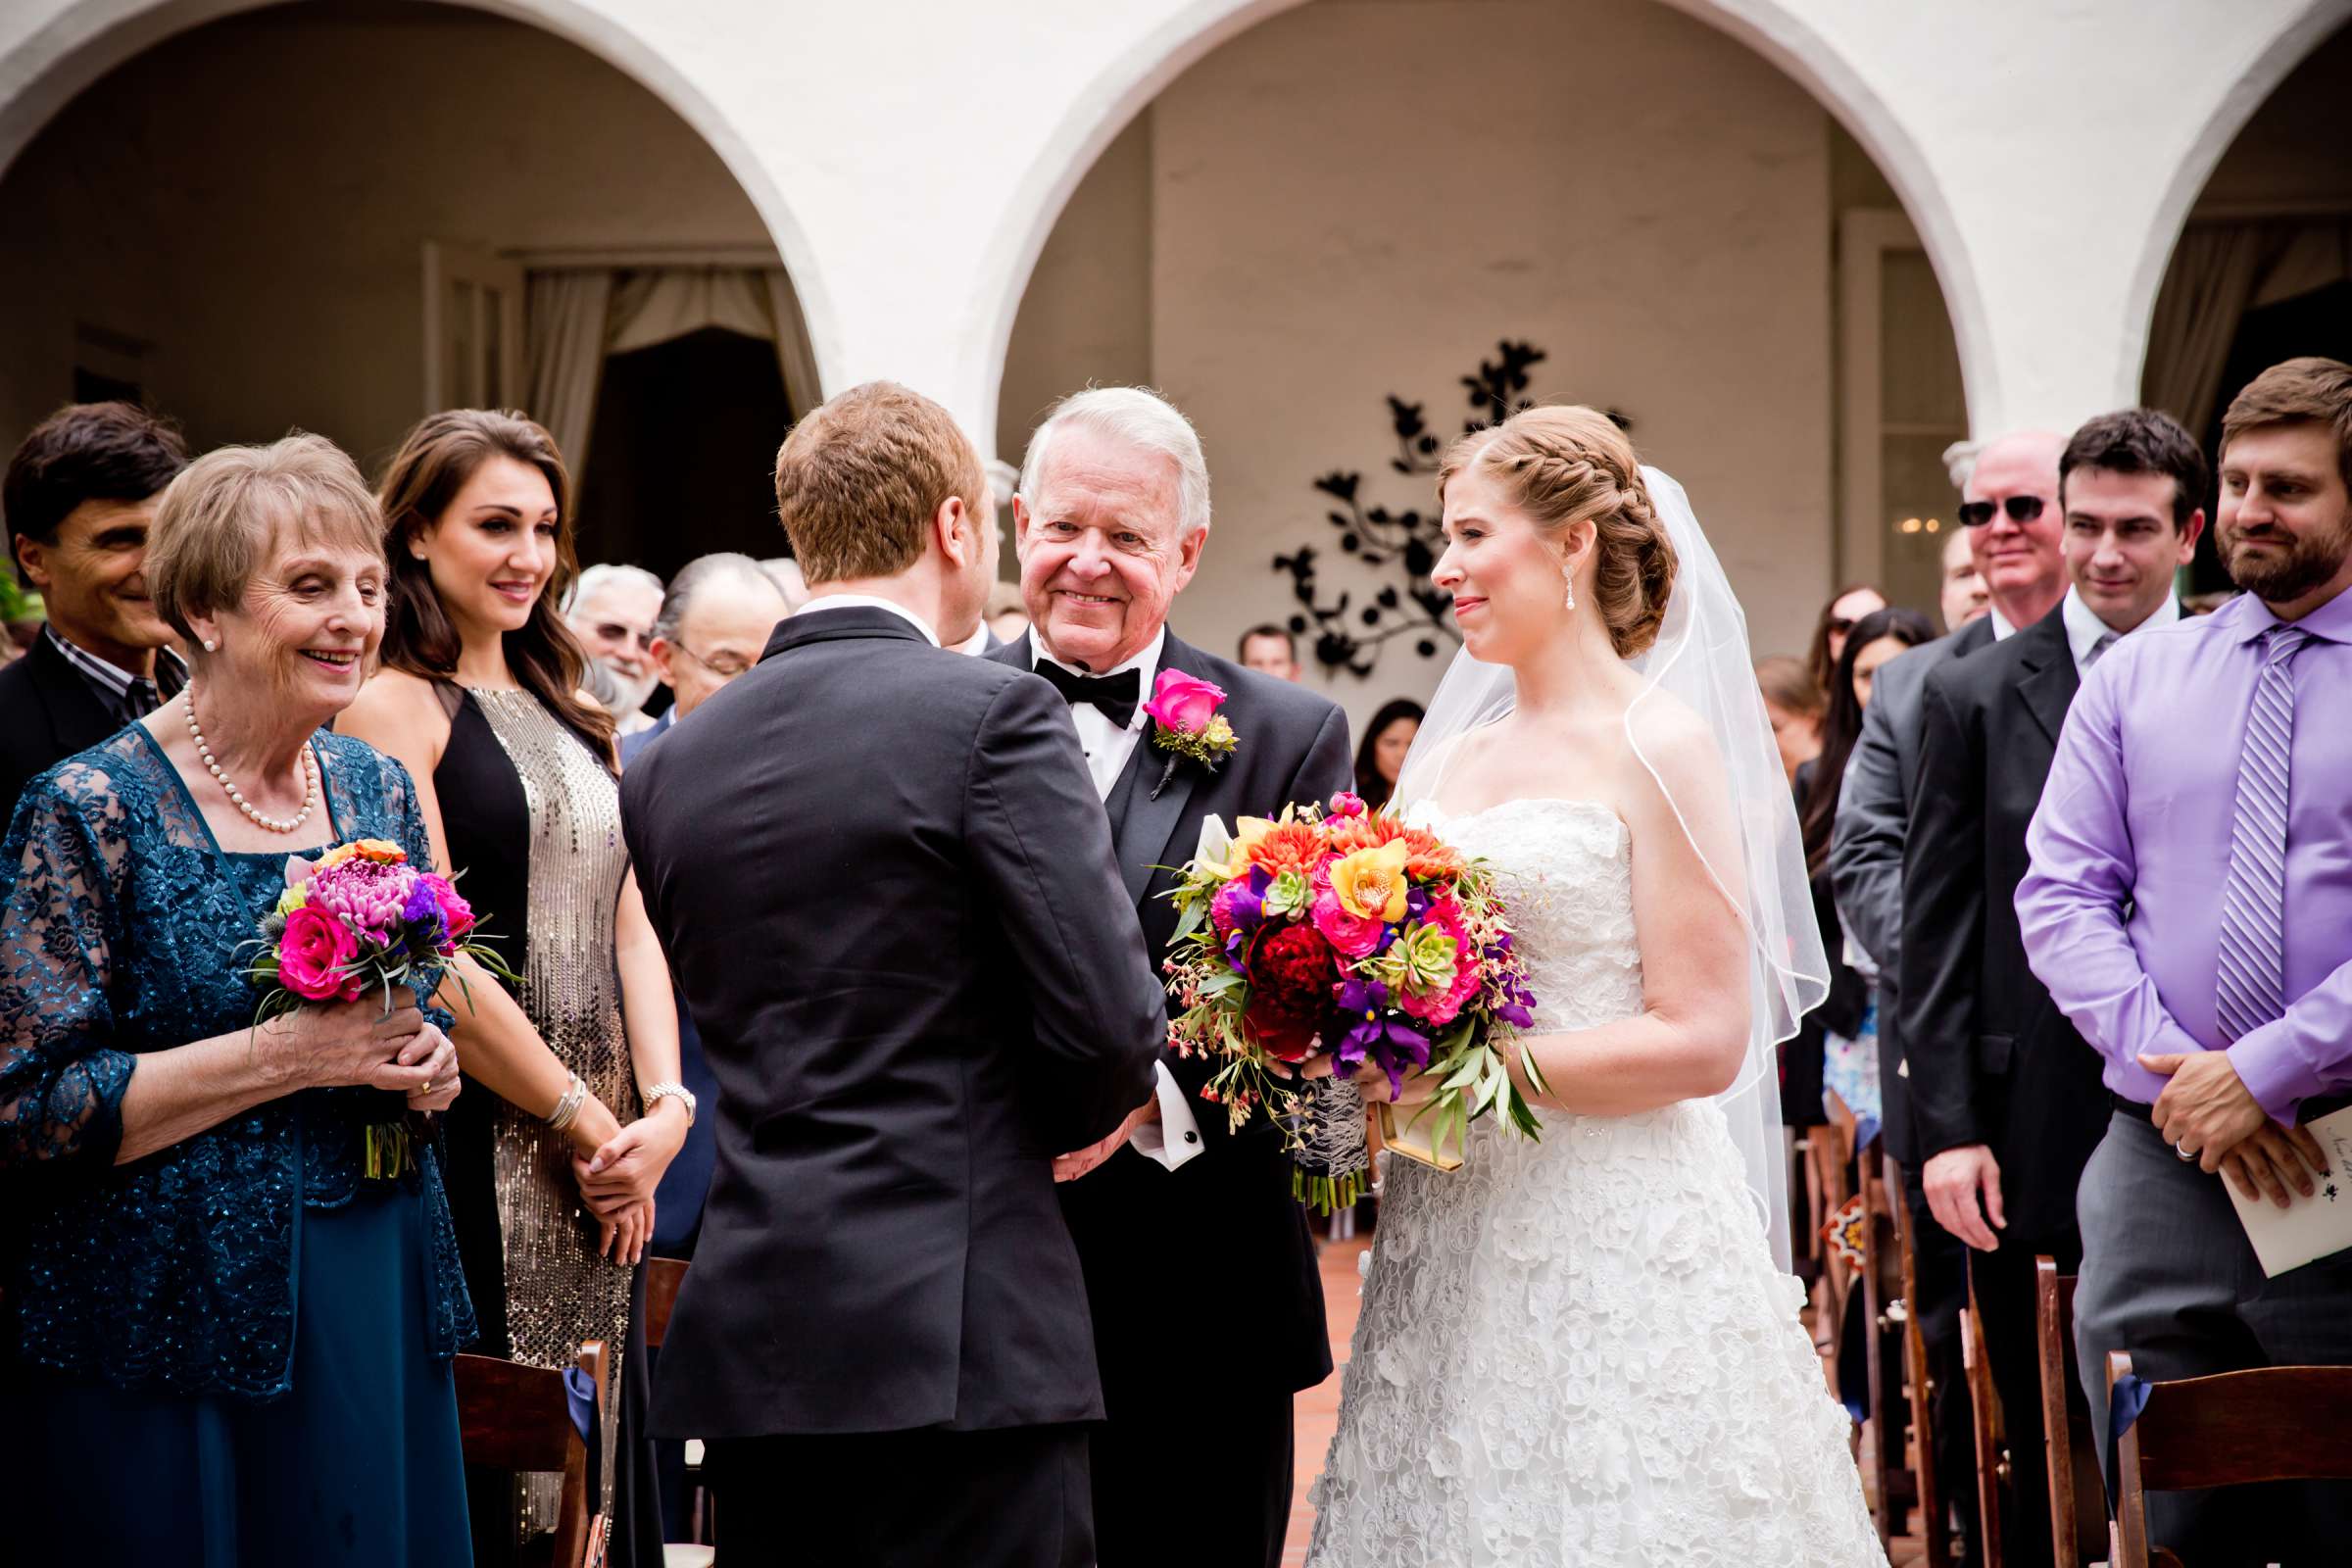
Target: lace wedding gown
column 1578, row 1350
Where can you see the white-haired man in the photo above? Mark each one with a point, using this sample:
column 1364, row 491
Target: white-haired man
column 1181, row 1226
column 612, row 611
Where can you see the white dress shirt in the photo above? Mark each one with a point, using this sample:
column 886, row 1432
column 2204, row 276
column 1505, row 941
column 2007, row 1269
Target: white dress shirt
column 869, row 601
column 1106, row 746
column 976, row 645
column 2002, row 631
column 1176, row 1137
column 2084, row 629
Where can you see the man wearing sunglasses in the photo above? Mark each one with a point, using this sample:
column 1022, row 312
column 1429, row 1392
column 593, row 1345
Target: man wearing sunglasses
column 2010, row 503
column 611, row 612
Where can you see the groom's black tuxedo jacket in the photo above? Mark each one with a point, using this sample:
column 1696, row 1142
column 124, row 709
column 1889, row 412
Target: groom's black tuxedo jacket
column 1992, row 1059
column 887, row 893
column 1219, row 1240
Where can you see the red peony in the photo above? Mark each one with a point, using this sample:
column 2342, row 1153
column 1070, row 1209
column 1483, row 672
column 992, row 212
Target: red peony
column 1291, row 975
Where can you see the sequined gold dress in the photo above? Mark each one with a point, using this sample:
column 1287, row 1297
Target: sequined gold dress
column 533, row 820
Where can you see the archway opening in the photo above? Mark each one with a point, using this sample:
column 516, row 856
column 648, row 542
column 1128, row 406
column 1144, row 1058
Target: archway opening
column 2263, row 268
column 398, row 207
column 1347, row 204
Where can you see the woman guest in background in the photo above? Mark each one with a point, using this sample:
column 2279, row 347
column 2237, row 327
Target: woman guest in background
column 1794, row 703
column 1381, row 756
column 1838, row 1046
column 480, row 696
column 233, row 1343
column 1838, row 617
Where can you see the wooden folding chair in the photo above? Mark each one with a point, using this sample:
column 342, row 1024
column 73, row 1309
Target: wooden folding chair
column 1985, row 1408
column 2235, row 1429
column 2077, row 1500
column 1933, row 1528
column 663, row 1278
column 516, row 1417
column 1828, row 1151
column 1906, row 1472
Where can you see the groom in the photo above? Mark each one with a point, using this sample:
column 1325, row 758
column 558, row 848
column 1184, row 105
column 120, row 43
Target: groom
column 1208, row 1310
column 887, row 896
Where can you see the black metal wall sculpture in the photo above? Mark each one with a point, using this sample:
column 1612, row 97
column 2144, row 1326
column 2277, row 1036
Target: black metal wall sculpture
column 1400, row 545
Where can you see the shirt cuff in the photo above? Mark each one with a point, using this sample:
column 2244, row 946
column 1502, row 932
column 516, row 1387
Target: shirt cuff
column 1176, row 1137
column 2267, row 1064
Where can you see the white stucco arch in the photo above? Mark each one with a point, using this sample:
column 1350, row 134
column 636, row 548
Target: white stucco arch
column 44, row 65
column 2297, row 35
column 1128, row 79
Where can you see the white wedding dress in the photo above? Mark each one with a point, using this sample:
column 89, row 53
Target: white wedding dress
column 1578, row 1350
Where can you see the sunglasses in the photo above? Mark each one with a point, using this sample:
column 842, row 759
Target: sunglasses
column 612, row 631
column 2021, row 509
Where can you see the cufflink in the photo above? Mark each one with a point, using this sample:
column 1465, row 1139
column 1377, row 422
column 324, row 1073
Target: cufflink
column 1192, row 1138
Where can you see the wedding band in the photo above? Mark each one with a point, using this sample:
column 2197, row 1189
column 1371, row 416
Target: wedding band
column 2184, row 1153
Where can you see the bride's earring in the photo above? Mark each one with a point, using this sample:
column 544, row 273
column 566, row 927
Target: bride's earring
column 1568, row 597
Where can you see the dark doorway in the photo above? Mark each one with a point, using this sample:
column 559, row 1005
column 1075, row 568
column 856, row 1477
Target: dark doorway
column 2319, row 323
column 682, row 454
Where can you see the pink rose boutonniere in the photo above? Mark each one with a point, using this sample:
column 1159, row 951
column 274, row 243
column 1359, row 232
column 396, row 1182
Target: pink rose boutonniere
column 1185, row 723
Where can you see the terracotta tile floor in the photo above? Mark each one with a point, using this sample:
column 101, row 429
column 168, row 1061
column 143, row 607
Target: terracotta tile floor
column 1318, row 1408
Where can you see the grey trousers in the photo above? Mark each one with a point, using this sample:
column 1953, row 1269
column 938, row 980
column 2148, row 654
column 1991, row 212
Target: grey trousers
column 2169, row 1276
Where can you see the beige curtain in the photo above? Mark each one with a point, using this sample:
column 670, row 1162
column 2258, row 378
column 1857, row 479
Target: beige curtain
column 794, row 352
column 565, row 317
column 2220, row 271
column 577, row 316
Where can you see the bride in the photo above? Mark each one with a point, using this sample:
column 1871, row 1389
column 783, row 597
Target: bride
column 1583, row 1350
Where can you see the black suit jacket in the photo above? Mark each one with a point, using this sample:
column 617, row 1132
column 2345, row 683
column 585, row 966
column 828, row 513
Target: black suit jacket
column 887, row 896
column 1866, row 856
column 1992, row 1059
column 47, row 712
column 1220, row 1238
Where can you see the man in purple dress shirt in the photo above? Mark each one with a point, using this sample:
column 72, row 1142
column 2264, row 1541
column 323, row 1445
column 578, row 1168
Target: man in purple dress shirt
column 2189, row 906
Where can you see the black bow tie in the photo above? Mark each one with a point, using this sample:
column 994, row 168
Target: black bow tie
column 1114, row 696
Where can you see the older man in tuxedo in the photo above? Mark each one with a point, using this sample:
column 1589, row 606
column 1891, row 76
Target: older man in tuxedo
column 916, row 978
column 2009, row 507
column 2006, row 1102
column 1181, row 1225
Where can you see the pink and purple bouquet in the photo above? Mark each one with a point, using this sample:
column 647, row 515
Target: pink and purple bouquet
column 1347, row 934
column 356, row 921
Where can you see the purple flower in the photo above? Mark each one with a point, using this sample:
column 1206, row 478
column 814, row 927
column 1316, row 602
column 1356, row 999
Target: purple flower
column 1390, row 1042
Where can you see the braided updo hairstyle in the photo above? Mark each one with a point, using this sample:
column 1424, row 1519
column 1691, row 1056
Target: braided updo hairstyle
column 1567, row 464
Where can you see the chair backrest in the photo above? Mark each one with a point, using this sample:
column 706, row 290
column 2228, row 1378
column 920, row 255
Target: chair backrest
column 2234, row 1429
column 664, row 1277
column 1935, row 1535
column 2078, row 1500
column 1992, row 1460
column 516, row 1417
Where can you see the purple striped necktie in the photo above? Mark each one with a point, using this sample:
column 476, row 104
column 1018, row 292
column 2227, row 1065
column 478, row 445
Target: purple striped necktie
column 2250, row 983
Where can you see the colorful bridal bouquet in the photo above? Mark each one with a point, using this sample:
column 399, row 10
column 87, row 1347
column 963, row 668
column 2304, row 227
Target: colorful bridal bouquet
column 1345, row 934
column 355, row 921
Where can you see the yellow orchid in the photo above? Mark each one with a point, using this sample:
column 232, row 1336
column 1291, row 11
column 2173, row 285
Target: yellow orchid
column 379, row 850
column 1371, row 883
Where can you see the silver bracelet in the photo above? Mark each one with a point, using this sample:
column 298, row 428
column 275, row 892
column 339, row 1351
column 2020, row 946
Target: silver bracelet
column 670, row 1088
column 567, row 1109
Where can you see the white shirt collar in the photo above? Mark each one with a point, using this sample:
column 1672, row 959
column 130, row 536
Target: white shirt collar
column 2085, row 628
column 869, row 601
column 976, row 644
column 1146, row 662
column 2002, row 631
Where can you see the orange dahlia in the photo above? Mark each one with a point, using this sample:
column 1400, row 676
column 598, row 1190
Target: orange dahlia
column 1290, row 846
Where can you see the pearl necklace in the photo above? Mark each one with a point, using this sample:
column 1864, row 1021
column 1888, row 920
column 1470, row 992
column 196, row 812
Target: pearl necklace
column 310, row 777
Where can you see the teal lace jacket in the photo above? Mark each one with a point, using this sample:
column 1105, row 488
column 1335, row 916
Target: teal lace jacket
column 118, row 935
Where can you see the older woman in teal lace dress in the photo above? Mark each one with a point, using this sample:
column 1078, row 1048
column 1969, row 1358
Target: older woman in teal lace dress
column 231, row 1342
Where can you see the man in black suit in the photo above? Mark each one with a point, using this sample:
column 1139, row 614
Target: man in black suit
column 1186, row 1229
column 80, row 496
column 889, row 898
column 2006, row 1097
column 2012, row 493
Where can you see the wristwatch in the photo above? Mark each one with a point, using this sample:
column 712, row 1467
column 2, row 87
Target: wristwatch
column 670, row 1090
